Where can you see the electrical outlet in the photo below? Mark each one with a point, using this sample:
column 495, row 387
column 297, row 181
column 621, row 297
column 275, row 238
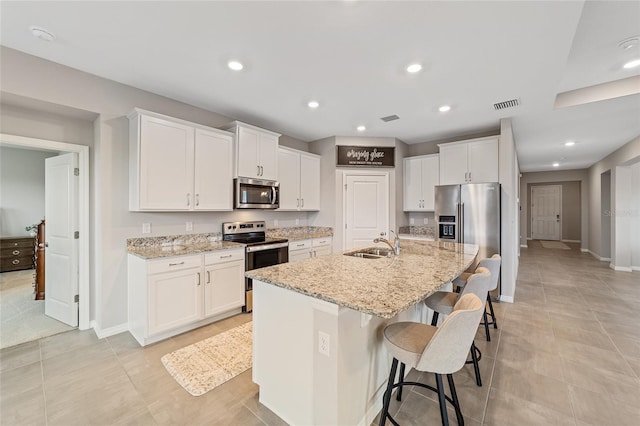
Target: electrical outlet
column 412, row 221
column 275, row 223
column 324, row 343
column 426, row 220
column 189, row 226
column 146, row 228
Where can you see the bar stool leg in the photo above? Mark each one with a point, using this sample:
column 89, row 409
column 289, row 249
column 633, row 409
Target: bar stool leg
column 434, row 320
column 399, row 392
column 454, row 397
column 387, row 394
column 442, row 400
column 476, row 367
column 486, row 325
column 493, row 315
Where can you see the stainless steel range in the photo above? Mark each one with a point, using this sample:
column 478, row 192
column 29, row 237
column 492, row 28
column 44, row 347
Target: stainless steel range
column 260, row 251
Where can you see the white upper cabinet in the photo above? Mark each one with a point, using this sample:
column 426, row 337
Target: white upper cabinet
column 256, row 151
column 175, row 165
column 421, row 175
column 299, row 177
column 472, row 161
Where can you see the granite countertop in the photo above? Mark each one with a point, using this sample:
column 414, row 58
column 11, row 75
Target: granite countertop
column 381, row 287
column 298, row 233
column 178, row 245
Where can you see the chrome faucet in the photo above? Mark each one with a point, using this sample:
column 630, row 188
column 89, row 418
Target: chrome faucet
column 395, row 246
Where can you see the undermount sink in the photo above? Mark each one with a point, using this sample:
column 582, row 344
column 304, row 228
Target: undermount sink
column 371, row 253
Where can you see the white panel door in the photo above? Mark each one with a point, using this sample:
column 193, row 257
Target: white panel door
column 248, row 140
column 224, row 287
column 166, row 165
column 366, row 208
column 545, row 212
column 268, row 156
column 213, row 177
column 289, row 178
column 309, row 182
column 61, row 253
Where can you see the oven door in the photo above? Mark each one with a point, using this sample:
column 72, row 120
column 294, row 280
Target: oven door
column 256, row 194
column 259, row 257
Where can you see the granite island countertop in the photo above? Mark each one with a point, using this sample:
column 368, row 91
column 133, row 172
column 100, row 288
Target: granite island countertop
column 382, row 287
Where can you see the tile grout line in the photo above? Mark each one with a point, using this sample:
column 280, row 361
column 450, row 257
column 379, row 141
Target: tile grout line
column 44, row 394
column 493, row 369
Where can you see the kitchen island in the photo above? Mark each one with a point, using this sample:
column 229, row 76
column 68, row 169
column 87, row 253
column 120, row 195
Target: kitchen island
column 318, row 353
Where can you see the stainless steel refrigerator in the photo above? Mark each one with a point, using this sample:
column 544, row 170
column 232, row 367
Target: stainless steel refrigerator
column 470, row 213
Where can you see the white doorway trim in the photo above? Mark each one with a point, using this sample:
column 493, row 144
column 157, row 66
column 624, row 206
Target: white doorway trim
column 533, row 188
column 84, row 322
column 345, row 174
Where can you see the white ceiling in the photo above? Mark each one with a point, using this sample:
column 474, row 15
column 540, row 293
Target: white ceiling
column 351, row 55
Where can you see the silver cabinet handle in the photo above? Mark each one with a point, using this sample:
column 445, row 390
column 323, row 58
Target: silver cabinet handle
column 261, row 171
column 188, row 199
column 297, row 202
column 225, row 257
column 302, row 202
column 176, row 264
column 198, row 278
column 15, row 252
column 208, row 277
column 258, row 172
column 15, row 261
column 197, row 199
column 300, row 245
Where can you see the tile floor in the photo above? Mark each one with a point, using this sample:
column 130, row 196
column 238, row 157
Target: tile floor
column 567, row 352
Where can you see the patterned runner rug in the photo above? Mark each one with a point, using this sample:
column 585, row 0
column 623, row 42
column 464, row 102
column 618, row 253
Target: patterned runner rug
column 554, row 245
column 204, row 365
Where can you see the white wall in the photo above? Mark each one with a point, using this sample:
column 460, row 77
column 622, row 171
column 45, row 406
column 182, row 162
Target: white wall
column 21, row 189
column 635, row 216
column 619, row 161
column 605, row 227
column 112, row 222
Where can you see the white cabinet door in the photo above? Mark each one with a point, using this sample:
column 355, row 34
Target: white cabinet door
column 166, row 165
column 224, row 287
column 268, row 156
column 483, row 161
column 213, row 171
column 289, row 178
column 309, row 182
column 248, row 141
column 174, row 299
column 299, row 255
column 321, row 251
column 430, row 178
column 412, row 184
column 453, row 164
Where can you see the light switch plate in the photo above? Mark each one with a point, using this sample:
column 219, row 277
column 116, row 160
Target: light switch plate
column 146, row 228
column 189, row 226
column 426, row 220
column 412, row 221
column 324, row 343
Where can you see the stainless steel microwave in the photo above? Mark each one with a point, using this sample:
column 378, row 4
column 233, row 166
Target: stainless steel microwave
column 256, row 194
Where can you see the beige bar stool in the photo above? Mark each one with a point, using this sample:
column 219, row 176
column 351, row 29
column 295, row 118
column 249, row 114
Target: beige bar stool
column 440, row 350
column 443, row 302
column 493, row 265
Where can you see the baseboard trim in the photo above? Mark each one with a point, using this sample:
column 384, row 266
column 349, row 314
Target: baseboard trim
column 584, row 250
column 635, row 268
column 571, row 241
column 620, row 268
column 524, row 246
column 507, row 299
column 111, row 331
column 596, row 255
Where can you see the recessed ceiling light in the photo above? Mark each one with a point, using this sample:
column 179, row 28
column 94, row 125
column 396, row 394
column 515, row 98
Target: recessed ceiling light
column 41, row 33
column 235, row 65
column 361, row 128
column 414, row 68
column 444, row 108
column 313, row 104
column 569, row 143
column 631, row 64
column 556, row 164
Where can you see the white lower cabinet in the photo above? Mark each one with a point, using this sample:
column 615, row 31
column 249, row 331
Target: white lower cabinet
column 172, row 295
column 306, row 249
column 221, row 289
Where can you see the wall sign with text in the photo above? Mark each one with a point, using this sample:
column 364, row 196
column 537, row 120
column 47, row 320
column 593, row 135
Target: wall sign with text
column 365, row 156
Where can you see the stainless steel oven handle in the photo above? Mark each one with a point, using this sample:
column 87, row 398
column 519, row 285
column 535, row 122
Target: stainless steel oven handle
column 264, row 247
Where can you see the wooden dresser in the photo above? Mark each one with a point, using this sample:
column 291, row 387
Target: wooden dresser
column 16, row 253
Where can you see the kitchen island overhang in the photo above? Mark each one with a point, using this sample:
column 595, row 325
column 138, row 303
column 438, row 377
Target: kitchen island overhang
column 318, row 353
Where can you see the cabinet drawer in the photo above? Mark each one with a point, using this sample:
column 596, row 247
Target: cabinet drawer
column 169, row 264
column 223, row 256
column 320, row 242
column 15, row 263
column 16, row 252
column 299, row 245
column 6, row 243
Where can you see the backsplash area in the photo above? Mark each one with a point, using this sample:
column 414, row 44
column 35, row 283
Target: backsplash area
column 427, row 231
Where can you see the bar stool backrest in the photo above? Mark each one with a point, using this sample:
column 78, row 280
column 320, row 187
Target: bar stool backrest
column 447, row 350
column 493, row 265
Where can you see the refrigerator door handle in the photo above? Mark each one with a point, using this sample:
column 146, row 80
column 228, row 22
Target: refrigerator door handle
column 461, row 234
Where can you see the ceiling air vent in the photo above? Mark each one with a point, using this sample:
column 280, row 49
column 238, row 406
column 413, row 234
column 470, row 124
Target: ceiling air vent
column 506, row 104
column 389, row 118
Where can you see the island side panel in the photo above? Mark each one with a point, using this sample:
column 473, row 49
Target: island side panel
column 283, row 352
